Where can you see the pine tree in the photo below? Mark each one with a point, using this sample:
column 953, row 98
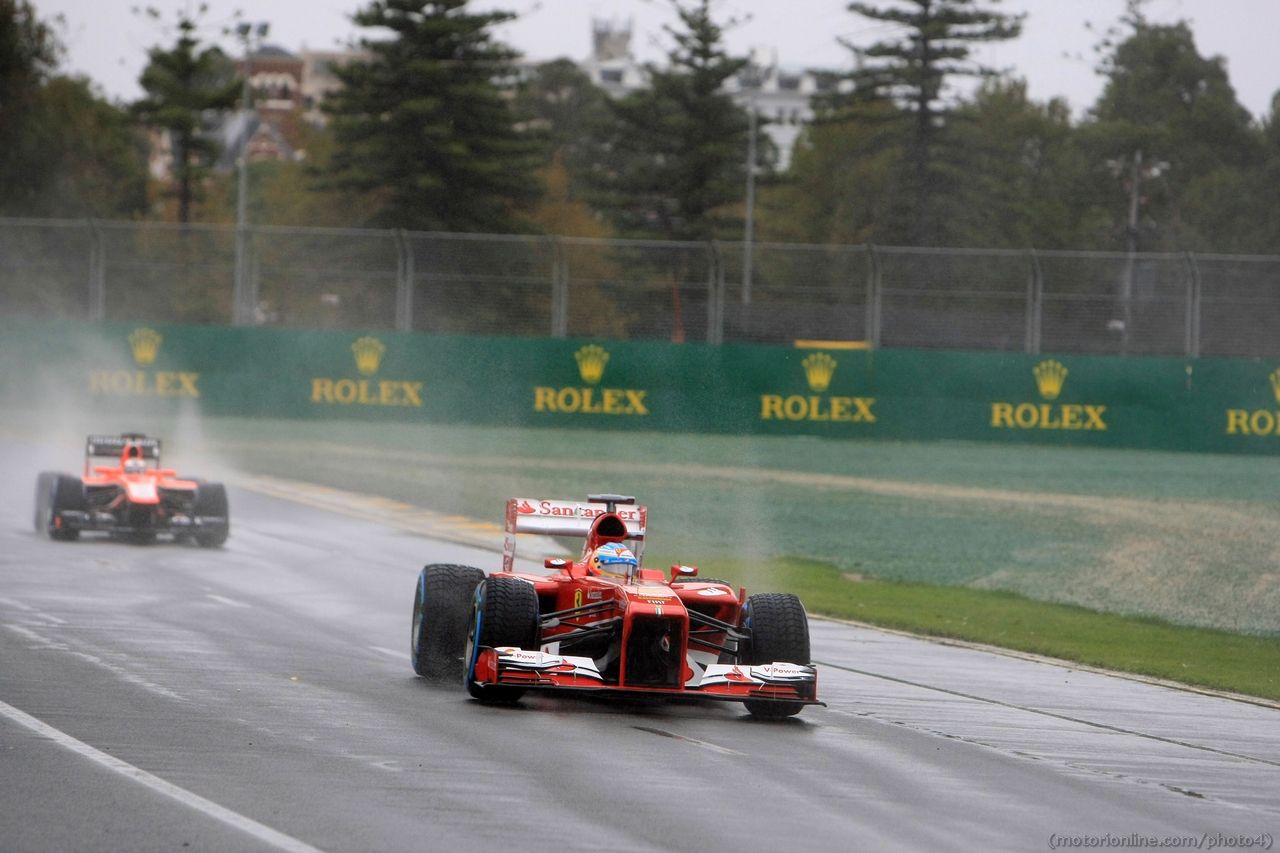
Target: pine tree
column 679, row 145
column 1177, row 107
column 29, row 51
column 426, row 123
column 65, row 151
column 181, row 85
column 913, row 69
column 101, row 154
column 560, row 105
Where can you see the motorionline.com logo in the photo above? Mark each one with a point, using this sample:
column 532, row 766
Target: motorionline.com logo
column 1204, row 841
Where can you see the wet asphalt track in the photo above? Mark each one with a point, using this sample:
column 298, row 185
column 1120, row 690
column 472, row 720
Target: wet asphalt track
column 182, row 663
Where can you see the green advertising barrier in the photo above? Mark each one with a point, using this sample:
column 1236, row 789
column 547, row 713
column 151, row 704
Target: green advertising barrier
column 1221, row 405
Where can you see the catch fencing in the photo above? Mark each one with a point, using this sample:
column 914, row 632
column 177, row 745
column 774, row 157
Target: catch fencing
column 531, row 286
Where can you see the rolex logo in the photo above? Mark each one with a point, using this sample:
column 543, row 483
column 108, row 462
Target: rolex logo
column 1049, row 378
column 587, row 401
column 145, row 344
column 1064, row 416
column 591, row 361
column 368, row 352
column 366, row 392
column 1259, row 421
column 818, row 369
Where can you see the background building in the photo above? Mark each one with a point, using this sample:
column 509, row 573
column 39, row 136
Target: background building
column 782, row 98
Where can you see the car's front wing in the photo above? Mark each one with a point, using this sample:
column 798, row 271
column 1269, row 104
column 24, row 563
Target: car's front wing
column 91, row 520
column 728, row 682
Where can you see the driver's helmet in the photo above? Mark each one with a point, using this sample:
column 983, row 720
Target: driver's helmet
column 135, row 466
column 613, row 560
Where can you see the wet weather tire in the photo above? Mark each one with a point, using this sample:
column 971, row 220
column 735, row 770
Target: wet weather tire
column 210, row 505
column 441, row 616
column 504, row 613
column 44, row 500
column 66, row 494
column 779, row 634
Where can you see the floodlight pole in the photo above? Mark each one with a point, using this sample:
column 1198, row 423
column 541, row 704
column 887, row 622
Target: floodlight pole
column 243, row 309
column 748, row 234
column 1135, row 195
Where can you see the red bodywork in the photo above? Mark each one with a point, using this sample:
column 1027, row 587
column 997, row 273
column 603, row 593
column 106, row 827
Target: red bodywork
column 134, row 495
column 142, row 488
column 654, row 635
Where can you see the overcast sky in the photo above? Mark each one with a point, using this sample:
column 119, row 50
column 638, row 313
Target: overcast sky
column 107, row 41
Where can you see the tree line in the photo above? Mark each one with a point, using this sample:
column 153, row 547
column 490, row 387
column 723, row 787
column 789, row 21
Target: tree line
column 437, row 127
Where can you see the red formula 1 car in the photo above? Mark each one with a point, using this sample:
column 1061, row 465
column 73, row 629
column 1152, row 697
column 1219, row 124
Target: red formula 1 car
column 604, row 624
column 133, row 498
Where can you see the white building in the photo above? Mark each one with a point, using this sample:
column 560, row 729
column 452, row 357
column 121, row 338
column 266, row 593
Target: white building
column 782, row 99
column 611, row 65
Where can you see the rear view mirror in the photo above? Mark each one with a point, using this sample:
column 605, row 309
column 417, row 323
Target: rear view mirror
column 684, row 572
column 554, row 563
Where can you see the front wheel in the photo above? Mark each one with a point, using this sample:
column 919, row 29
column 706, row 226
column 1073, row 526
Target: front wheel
column 441, row 611
column 504, row 612
column 779, row 630
column 44, row 500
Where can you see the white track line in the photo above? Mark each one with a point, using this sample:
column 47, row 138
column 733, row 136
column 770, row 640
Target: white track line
column 222, row 599
column 251, row 827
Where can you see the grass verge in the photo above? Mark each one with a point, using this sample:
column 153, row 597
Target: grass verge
column 1241, row 664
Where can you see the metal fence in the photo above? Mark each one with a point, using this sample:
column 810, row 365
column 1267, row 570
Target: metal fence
column 1033, row 301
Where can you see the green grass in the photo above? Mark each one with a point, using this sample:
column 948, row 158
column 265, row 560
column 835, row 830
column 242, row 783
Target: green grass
column 1191, row 539
column 1198, row 656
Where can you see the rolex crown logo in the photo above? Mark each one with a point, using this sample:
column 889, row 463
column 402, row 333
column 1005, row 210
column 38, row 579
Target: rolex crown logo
column 1049, row 378
column 818, row 369
column 368, row 352
column 145, row 344
column 1275, row 384
column 591, row 362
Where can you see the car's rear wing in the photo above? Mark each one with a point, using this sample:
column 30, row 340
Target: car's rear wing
column 570, row 518
column 114, row 445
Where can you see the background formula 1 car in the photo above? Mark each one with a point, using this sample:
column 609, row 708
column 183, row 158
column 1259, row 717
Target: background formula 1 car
column 133, row 498
column 580, row 630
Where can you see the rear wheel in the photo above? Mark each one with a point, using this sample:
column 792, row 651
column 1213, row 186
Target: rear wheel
column 441, row 611
column 504, row 613
column 211, row 522
column 66, row 495
column 779, row 630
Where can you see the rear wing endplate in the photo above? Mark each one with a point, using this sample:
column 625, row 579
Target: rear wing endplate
column 565, row 518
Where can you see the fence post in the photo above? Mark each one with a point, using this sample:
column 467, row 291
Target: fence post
column 720, row 294
column 559, row 290
column 1035, row 303
column 873, row 296
column 1126, row 298
column 240, row 296
column 1193, row 305
column 404, row 281
column 715, row 294
column 97, row 273
column 252, row 300
column 851, row 331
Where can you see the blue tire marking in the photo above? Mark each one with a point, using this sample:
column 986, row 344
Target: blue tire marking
column 422, row 599
column 475, row 644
